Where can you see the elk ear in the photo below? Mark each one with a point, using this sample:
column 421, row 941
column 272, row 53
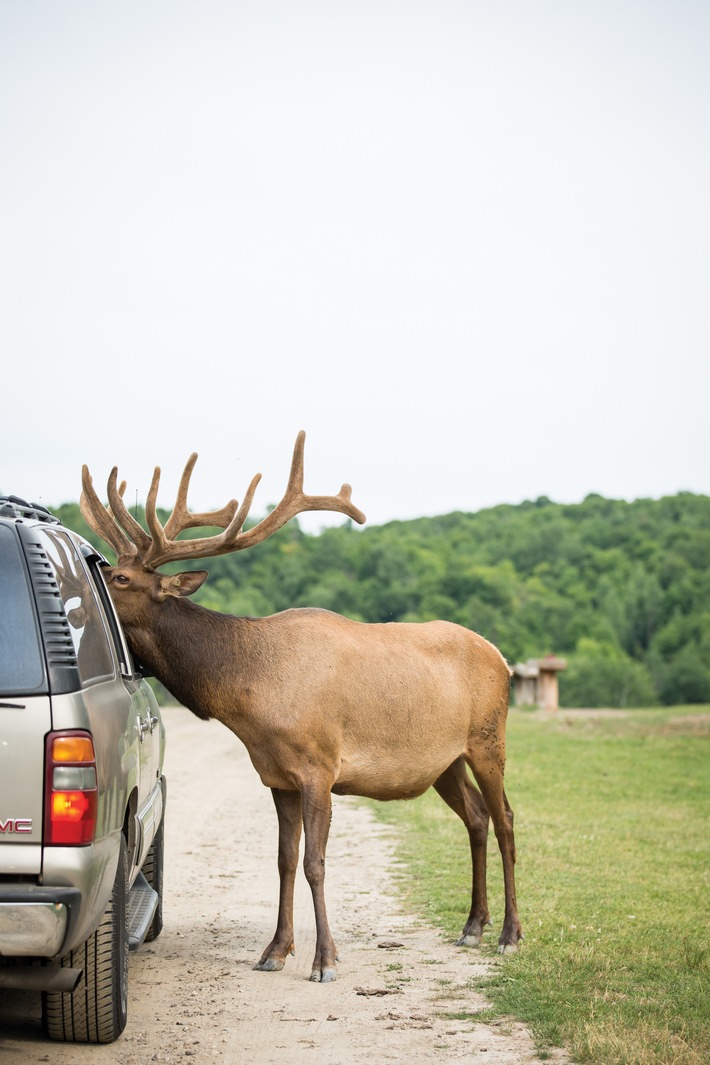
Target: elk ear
column 182, row 584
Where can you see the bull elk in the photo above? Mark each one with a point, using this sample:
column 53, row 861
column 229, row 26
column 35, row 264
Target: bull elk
column 323, row 704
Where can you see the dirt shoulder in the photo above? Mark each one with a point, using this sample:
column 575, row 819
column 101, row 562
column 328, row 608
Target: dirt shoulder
column 193, row 994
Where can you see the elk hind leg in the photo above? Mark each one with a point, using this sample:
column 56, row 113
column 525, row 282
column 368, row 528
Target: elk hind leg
column 288, row 811
column 459, row 792
column 488, row 764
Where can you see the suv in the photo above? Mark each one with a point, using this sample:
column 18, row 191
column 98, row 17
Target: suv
column 82, row 791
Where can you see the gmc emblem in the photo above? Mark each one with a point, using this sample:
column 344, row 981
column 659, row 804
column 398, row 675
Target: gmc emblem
column 16, row 825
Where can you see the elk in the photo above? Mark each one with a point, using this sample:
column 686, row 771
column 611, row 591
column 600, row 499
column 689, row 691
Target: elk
column 322, row 704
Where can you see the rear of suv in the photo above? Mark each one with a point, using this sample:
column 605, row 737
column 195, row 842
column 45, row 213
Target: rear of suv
column 82, row 790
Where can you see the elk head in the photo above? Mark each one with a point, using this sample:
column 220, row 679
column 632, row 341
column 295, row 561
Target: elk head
column 140, row 553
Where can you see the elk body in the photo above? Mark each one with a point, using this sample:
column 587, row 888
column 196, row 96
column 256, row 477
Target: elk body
column 323, row 704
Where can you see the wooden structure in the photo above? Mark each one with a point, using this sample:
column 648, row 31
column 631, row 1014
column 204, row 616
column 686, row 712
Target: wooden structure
column 535, row 682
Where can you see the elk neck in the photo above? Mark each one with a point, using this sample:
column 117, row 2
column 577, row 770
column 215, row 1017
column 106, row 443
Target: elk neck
column 186, row 647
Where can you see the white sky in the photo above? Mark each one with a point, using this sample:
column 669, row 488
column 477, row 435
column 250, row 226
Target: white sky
column 465, row 245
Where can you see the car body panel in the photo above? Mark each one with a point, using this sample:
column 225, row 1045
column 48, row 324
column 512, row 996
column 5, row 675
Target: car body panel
column 23, row 724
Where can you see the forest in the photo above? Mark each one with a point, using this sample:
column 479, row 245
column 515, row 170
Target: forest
column 620, row 589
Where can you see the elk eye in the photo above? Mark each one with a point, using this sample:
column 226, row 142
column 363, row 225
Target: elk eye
column 121, row 578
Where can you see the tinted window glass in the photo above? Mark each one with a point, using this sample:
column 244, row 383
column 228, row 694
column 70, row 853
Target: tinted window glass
column 21, row 664
column 119, row 643
column 85, row 621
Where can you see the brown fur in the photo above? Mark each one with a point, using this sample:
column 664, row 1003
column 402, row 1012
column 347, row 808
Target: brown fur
column 324, row 704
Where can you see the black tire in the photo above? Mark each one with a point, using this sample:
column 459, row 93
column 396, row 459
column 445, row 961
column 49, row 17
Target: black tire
column 153, row 872
column 96, row 1012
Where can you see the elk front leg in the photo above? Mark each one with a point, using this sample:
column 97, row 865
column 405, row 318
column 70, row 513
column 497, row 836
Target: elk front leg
column 288, row 810
column 316, row 822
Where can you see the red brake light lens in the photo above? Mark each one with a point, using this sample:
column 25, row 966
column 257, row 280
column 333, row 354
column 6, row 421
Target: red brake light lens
column 70, row 810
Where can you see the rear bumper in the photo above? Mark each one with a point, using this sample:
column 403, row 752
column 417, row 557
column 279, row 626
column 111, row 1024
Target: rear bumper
column 48, row 920
column 36, row 921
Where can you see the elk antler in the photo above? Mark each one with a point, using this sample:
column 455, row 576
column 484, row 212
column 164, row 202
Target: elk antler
column 130, row 540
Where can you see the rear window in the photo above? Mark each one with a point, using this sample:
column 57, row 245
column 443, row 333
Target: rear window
column 21, row 663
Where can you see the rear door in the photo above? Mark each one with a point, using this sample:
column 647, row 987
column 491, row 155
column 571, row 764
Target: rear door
column 146, row 724
column 25, row 714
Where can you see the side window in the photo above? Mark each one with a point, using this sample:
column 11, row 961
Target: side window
column 119, row 640
column 85, row 619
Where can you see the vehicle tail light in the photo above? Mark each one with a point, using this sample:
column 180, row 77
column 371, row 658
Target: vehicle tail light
column 71, row 796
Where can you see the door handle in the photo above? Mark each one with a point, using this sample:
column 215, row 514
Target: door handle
column 142, row 726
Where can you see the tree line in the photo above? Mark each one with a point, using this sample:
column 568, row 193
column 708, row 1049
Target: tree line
column 621, row 590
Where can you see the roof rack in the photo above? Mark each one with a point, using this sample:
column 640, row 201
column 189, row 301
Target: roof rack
column 14, row 507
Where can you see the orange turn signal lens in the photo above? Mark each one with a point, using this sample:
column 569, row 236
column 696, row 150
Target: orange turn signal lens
column 73, row 749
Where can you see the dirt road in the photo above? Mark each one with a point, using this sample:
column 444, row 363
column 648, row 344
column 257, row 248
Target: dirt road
column 193, row 995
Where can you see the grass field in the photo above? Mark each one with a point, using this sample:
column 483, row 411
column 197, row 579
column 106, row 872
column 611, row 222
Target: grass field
column 613, row 836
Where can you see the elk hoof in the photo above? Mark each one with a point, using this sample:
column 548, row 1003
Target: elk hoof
column 269, row 965
column 472, row 934
column 469, row 941
column 323, row 976
column 510, row 939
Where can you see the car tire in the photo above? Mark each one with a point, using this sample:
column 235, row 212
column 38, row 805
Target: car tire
column 153, row 872
column 96, row 1012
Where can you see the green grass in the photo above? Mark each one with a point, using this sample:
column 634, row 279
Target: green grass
column 612, row 819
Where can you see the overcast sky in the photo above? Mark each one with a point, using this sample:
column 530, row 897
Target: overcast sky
column 464, row 245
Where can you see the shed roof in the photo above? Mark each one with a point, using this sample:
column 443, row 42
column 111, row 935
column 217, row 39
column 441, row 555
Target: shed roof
column 534, row 666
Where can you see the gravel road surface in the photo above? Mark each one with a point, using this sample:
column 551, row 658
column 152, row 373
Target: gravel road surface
column 403, row 995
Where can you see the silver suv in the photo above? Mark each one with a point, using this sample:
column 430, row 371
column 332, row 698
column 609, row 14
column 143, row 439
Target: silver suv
column 82, row 791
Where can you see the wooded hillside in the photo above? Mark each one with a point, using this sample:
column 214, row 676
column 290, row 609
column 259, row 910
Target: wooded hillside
column 622, row 590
